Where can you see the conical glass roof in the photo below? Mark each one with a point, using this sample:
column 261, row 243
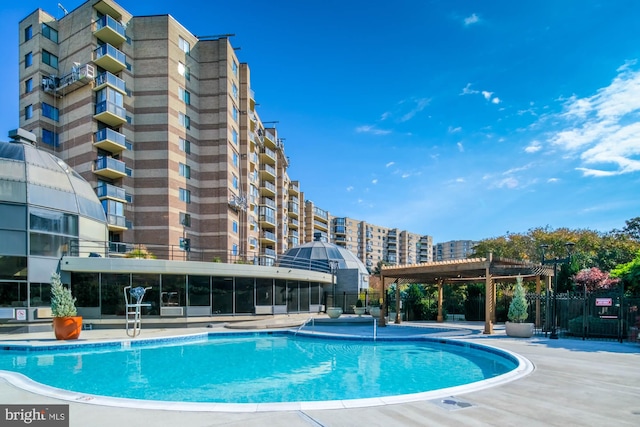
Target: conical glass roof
column 317, row 256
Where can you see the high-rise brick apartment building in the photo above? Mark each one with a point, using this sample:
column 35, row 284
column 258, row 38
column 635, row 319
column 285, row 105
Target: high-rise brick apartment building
column 373, row 243
column 164, row 125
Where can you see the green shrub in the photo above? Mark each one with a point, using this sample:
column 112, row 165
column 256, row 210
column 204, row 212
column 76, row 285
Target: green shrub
column 63, row 304
column 519, row 307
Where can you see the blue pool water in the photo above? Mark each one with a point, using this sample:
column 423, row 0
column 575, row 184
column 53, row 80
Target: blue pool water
column 258, row 368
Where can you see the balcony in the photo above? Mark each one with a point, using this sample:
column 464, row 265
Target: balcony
column 267, row 220
column 116, row 222
column 268, row 202
column 110, row 168
column 109, row 30
column 110, row 58
column 108, row 191
column 267, row 236
column 110, row 140
column 293, row 223
column 267, row 172
column 268, row 188
column 267, row 155
column 110, row 113
column 111, row 80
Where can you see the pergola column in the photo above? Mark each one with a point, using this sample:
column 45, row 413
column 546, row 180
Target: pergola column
column 538, row 289
column 490, row 302
column 440, row 317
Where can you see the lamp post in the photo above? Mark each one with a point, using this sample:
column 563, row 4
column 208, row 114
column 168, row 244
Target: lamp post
column 555, row 261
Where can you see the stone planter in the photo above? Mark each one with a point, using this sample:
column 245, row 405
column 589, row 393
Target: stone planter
column 359, row 311
column 334, row 312
column 374, row 311
column 67, row 328
column 519, row 330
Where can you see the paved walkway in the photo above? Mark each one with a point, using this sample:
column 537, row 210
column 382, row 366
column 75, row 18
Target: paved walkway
column 575, row 383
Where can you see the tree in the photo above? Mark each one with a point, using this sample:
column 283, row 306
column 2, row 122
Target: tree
column 519, row 307
column 629, row 273
column 594, row 279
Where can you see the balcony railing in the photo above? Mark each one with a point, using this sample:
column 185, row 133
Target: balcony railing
column 110, row 58
column 117, row 221
column 112, row 80
column 110, row 113
column 269, row 202
column 110, row 30
column 110, row 140
column 110, row 167
column 111, row 191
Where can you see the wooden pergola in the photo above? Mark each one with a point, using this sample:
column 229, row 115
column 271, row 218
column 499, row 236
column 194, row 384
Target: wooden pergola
column 473, row 270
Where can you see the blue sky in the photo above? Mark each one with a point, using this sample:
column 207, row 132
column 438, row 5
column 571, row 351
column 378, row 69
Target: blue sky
column 457, row 119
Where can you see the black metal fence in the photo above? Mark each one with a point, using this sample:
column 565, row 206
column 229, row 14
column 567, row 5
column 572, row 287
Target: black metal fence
column 603, row 315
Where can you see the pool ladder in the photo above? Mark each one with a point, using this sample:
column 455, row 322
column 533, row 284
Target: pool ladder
column 134, row 309
column 310, row 319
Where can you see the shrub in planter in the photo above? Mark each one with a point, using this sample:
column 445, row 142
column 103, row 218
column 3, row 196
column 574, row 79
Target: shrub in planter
column 518, row 313
column 66, row 322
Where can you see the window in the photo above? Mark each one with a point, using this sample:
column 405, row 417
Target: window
column 28, row 33
column 185, row 96
column 235, row 159
column 184, row 71
column 50, row 33
column 185, row 219
column 28, row 60
column 234, row 68
column 184, row 120
column 234, row 249
column 184, row 45
column 184, row 145
column 234, row 91
column 185, row 195
column 28, row 85
column 185, row 170
column 234, row 136
column 28, row 112
column 235, row 182
column 49, row 59
column 50, row 111
column 234, row 113
column 50, row 138
column 235, row 226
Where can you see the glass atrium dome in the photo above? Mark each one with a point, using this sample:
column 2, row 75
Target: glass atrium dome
column 47, row 210
column 318, row 255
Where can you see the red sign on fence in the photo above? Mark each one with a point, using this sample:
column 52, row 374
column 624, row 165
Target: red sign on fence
column 604, row 302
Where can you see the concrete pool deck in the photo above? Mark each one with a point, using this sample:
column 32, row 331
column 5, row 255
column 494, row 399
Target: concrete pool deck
column 575, row 383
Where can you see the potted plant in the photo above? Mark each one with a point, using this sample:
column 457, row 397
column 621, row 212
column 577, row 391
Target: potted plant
column 66, row 322
column 518, row 314
column 358, row 308
column 334, row 312
column 374, row 309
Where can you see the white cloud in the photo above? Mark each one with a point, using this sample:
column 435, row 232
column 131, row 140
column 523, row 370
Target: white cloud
column 374, row 181
column 385, row 115
column 552, row 180
column 406, row 175
column 350, row 188
column 454, row 130
column 509, row 182
column 372, row 130
column 487, row 94
column 603, row 129
column 534, row 147
column 495, row 100
column 460, row 180
column 468, row 91
column 473, row 19
column 388, row 165
column 420, row 105
column 460, row 147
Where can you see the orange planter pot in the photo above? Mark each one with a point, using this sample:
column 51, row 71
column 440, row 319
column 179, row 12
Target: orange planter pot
column 67, row 328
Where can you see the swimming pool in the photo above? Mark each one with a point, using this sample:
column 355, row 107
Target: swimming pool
column 259, row 369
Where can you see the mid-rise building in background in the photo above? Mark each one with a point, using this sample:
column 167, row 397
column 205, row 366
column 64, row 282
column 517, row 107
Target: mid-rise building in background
column 454, row 249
